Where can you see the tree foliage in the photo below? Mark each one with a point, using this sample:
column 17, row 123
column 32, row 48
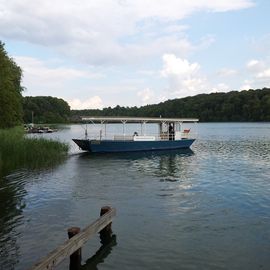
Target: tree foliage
column 45, row 109
column 10, row 90
column 251, row 105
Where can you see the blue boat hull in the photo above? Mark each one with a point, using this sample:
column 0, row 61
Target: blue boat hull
column 110, row 146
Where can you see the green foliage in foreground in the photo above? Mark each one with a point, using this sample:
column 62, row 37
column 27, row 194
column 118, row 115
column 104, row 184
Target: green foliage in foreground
column 251, row 105
column 18, row 151
column 10, row 91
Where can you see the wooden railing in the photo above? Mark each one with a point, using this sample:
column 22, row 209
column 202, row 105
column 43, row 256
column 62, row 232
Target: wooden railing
column 72, row 247
column 177, row 135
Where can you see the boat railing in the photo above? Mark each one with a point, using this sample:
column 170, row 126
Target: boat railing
column 178, row 135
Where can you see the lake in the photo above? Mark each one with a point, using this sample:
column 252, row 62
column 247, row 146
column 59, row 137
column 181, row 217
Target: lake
column 208, row 208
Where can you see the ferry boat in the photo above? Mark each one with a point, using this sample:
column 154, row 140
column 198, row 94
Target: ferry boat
column 170, row 135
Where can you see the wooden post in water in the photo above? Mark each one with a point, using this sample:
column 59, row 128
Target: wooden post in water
column 77, row 240
column 76, row 257
column 106, row 233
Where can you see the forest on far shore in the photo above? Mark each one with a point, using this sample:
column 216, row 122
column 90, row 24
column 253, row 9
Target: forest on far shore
column 248, row 105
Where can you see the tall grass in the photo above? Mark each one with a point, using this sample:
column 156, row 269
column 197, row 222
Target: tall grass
column 18, row 151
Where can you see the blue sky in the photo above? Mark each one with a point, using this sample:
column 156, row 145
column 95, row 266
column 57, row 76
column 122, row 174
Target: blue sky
column 104, row 53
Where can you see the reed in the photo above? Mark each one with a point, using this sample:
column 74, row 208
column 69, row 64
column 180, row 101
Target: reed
column 18, row 151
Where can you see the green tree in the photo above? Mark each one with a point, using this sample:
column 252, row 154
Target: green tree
column 10, row 91
column 45, row 110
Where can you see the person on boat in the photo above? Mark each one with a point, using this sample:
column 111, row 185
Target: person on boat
column 135, row 133
column 171, row 132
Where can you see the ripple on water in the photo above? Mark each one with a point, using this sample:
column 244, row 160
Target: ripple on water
column 202, row 209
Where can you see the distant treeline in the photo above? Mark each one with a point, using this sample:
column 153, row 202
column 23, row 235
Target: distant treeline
column 42, row 109
column 251, row 105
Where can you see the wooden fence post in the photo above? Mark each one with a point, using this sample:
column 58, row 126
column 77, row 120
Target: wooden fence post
column 72, row 247
column 106, row 233
column 76, row 257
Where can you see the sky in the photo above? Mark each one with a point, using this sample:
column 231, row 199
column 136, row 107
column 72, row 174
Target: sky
column 102, row 53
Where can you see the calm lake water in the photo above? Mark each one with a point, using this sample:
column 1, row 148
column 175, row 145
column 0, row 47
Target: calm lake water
column 208, row 208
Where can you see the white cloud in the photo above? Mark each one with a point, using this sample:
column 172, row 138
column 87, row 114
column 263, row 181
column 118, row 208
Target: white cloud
column 175, row 28
column 90, row 103
column 40, row 76
column 260, row 71
column 227, row 72
column 252, row 63
column 193, row 85
column 187, row 79
column 41, row 71
column 259, row 68
column 146, row 95
column 265, row 74
column 221, row 87
column 177, row 66
column 257, row 74
column 100, row 32
column 261, row 44
column 246, row 85
column 184, row 77
column 146, row 72
column 255, row 65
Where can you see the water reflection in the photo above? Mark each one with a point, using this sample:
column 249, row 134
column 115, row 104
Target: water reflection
column 102, row 253
column 12, row 203
column 168, row 164
column 166, row 175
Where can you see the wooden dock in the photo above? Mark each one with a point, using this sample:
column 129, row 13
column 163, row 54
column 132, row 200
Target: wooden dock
column 72, row 247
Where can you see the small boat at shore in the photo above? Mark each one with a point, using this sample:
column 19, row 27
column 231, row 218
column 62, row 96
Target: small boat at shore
column 170, row 135
column 39, row 130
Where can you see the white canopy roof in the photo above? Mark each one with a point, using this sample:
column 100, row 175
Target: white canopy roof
column 104, row 119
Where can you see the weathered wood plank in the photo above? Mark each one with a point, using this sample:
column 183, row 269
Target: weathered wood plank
column 76, row 242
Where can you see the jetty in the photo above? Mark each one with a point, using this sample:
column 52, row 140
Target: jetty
column 77, row 238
